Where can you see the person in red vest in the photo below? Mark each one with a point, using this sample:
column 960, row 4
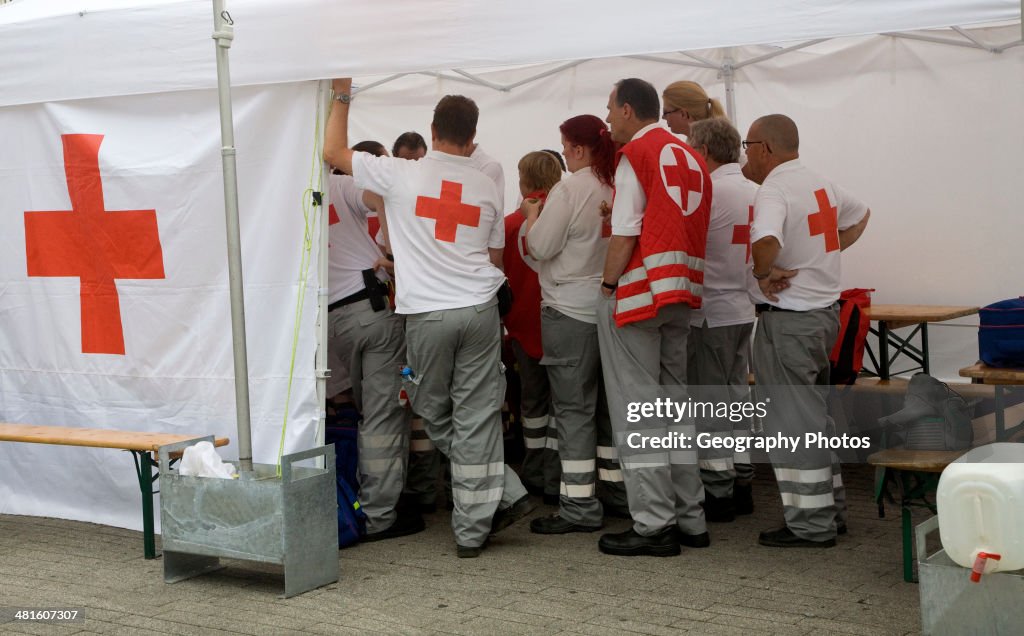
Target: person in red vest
column 802, row 221
column 570, row 242
column 538, row 173
column 653, row 277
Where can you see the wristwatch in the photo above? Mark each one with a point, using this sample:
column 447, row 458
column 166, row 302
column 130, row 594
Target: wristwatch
column 609, row 286
column 344, row 98
column 761, row 276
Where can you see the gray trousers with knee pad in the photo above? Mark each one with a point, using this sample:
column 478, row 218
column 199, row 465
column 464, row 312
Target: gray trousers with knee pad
column 374, row 344
column 459, row 388
column 791, row 352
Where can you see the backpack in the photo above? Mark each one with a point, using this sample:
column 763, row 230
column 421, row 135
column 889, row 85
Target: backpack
column 847, row 357
column 351, row 518
column 933, row 417
column 1001, row 333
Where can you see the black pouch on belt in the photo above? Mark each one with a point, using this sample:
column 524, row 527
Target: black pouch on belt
column 504, row 298
column 374, row 290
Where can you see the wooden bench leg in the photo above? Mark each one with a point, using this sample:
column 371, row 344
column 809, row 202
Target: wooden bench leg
column 144, row 466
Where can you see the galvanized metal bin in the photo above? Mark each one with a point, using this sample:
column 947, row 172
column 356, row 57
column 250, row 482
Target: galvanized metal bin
column 952, row 605
column 291, row 520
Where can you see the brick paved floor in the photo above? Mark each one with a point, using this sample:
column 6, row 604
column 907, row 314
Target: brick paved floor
column 523, row 583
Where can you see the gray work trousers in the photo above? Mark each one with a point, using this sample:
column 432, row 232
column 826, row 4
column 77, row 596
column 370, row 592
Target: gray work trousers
column 540, row 463
column 643, row 361
column 573, row 362
column 374, row 344
column 459, row 389
column 718, row 359
column 791, row 364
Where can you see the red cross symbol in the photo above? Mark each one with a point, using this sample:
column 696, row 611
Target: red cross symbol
column 682, row 176
column 332, row 215
column 741, row 233
column 448, row 211
column 525, row 251
column 824, row 222
column 93, row 244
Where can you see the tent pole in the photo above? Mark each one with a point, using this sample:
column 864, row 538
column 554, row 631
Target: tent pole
column 322, row 372
column 223, row 33
column 729, row 75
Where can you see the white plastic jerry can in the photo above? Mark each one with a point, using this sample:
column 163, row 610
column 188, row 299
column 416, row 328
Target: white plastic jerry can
column 981, row 509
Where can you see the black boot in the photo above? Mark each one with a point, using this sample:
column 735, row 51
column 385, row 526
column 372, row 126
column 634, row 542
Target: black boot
column 629, row 543
column 743, row 499
column 719, row 509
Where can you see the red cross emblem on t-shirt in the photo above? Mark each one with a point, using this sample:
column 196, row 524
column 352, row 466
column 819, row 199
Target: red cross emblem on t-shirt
column 824, row 222
column 94, row 245
column 684, row 177
column 741, row 233
column 448, row 211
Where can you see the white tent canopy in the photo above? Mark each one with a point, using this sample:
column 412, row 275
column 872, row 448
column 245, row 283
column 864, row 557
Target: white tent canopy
column 120, row 47
column 929, row 135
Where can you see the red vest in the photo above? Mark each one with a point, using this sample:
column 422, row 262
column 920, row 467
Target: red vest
column 667, row 265
column 523, row 320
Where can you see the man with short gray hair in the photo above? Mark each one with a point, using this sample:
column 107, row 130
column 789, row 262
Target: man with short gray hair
column 719, row 346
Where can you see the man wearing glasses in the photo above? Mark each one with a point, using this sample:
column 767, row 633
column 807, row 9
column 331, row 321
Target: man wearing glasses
column 802, row 221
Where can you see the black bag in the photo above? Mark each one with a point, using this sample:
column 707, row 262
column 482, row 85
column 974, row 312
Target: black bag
column 934, row 417
column 504, row 298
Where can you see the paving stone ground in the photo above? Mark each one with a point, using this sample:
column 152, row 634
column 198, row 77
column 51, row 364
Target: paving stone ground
column 523, row 584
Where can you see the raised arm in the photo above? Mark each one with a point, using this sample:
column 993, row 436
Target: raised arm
column 336, row 150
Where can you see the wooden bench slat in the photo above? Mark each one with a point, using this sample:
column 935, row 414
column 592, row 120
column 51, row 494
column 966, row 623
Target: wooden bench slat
column 921, row 461
column 993, row 375
column 899, row 386
column 93, row 437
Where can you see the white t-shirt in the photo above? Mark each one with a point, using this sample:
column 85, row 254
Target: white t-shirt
column 442, row 215
column 630, row 200
column 805, row 212
column 567, row 242
column 351, row 249
column 492, row 168
column 727, row 260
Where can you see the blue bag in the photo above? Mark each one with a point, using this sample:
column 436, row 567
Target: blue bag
column 351, row 518
column 1001, row 334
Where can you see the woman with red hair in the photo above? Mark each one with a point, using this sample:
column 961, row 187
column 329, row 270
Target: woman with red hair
column 569, row 241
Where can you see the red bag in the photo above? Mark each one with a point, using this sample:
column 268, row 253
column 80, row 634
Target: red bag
column 847, row 357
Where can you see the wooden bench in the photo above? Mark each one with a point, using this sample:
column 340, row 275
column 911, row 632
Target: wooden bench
column 143, row 446
column 917, row 475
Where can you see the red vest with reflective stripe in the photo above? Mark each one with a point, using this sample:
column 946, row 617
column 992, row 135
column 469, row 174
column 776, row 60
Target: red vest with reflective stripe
column 667, row 265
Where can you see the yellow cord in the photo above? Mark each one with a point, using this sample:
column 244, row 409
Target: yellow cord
column 311, row 222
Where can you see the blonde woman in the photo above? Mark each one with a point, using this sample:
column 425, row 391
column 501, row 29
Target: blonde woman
column 686, row 102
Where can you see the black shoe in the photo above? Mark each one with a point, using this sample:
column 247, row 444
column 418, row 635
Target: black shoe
column 743, row 499
column 784, row 538
column 841, row 528
column 469, row 552
column 555, row 524
column 536, row 491
column 551, row 500
column 719, row 509
column 629, row 543
column 503, row 518
column 406, row 524
column 701, row 540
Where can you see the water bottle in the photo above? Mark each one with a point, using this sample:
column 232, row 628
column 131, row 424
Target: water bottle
column 408, row 378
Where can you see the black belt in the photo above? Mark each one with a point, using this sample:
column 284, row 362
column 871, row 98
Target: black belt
column 356, row 297
column 763, row 307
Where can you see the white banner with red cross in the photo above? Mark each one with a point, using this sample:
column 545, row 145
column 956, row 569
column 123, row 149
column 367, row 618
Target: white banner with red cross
column 114, row 305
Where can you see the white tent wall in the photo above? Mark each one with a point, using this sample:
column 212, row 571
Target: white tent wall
column 928, row 135
column 160, row 151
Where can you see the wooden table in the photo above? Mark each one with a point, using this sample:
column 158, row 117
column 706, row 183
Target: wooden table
column 999, row 379
column 916, row 473
column 144, row 447
column 891, row 317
